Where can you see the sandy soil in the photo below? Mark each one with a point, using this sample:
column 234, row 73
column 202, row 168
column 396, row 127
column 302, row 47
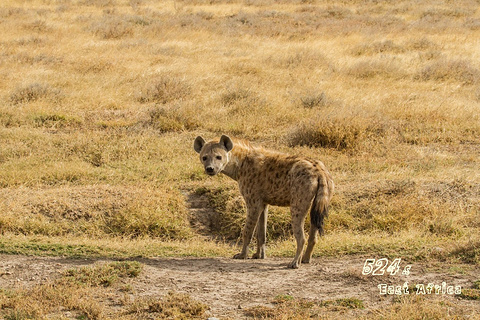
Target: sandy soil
column 230, row 286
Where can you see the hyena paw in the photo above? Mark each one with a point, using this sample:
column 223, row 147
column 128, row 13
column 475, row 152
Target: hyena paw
column 306, row 260
column 258, row 255
column 240, row 255
column 294, row 264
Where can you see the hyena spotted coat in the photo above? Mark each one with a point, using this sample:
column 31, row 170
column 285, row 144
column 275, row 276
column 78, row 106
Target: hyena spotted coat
column 272, row 178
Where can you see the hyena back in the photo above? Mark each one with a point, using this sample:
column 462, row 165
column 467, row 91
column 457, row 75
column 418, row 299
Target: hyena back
column 271, row 178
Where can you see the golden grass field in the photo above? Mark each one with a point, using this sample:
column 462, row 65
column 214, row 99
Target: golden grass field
column 100, row 101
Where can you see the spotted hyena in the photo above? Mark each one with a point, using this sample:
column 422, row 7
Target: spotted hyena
column 272, row 178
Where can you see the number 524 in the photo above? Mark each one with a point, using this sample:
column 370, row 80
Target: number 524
column 379, row 266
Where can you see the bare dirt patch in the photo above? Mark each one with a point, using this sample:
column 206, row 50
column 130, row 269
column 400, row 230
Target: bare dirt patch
column 230, row 287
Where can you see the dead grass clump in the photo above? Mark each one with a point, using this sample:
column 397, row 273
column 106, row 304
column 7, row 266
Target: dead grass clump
column 242, row 102
column 472, row 24
column 437, row 14
column 12, row 12
column 55, row 121
column 33, row 41
column 325, row 135
column 418, row 307
column 44, row 59
column 232, row 96
column 335, row 12
column 34, row 92
column 92, row 66
column 171, row 118
column 242, row 109
column 458, row 70
column 37, row 26
column 467, row 252
column 172, row 306
column 386, row 46
column 300, row 58
column 164, row 89
column 97, row 3
column 112, row 28
column 422, row 44
column 443, row 227
column 314, row 100
column 105, row 275
column 368, row 69
column 340, row 134
column 291, row 308
column 8, row 119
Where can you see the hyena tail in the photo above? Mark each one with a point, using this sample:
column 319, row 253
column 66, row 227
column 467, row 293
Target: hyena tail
column 319, row 210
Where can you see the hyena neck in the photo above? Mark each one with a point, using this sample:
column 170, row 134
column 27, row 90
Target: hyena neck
column 235, row 158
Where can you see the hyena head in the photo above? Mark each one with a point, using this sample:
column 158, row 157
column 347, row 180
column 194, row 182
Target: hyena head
column 214, row 156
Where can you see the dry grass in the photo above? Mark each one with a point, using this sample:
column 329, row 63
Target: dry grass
column 410, row 307
column 101, row 100
column 75, row 292
column 96, row 129
column 78, row 292
column 288, row 307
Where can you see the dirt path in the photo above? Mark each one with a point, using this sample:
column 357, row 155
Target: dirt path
column 230, row 286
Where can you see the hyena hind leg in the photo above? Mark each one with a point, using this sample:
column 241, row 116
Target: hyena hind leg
column 298, row 222
column 312, row 240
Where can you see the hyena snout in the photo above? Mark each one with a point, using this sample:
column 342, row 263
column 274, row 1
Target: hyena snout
column 210, row 171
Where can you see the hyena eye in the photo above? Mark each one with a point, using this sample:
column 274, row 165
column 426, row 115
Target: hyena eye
column 219, row 157
column 204, row 158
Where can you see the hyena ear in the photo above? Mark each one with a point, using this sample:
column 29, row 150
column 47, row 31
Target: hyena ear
column 226, row 142
column 198, row 144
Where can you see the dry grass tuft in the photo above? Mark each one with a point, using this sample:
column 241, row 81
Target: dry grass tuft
column 416, row 307
column 377, row 47
column 112, row 28
column 372, row 69
column 291, row 308
column 164, row 89
column 341, row 134
column 104, row 275
column 171, row 118
column 458, row 70
column 315, row 100
column 172, row 306
column 34, row 92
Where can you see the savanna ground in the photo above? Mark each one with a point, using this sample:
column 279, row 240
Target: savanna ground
column 105, row 211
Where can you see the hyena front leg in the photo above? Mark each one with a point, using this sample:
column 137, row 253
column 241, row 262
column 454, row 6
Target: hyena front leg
column 254, row 209
column 261, row 235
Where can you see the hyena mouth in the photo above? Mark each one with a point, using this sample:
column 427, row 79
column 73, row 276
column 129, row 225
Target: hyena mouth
column 210, row 171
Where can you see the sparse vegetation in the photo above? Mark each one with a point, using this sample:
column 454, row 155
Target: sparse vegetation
column 100, row 101
column 172, row 306
column 76, row 292
column 291, row 308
